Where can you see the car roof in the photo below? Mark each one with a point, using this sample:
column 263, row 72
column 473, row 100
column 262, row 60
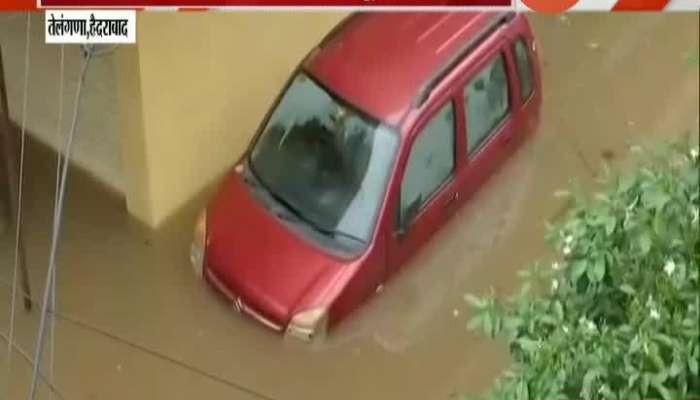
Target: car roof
column 379, row 62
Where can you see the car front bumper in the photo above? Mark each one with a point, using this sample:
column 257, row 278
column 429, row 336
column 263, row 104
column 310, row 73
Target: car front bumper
column 238, row 302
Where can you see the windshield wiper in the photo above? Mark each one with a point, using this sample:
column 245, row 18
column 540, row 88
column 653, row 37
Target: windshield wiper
column 318, row 228
column 297, row 213
column 324, row 231
column 336, row 232
column 349, row 236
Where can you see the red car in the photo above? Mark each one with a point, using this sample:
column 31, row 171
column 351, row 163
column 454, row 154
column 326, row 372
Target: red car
column 385, row 128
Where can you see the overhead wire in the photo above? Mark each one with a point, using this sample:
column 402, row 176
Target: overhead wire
column 49, row 295
column 155, row 354
column 57, row 220
column 20, row 189
column 52, row 388
column 52, row 326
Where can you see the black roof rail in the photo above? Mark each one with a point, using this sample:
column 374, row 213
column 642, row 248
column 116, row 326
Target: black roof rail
column 329, row 36
column 425, row 91
column 333, row 32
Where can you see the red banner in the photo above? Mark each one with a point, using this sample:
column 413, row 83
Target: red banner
column 17, row 5
column 640, row 5
column 266, row 3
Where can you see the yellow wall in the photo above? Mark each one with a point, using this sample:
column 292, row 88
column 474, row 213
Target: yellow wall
column 193, row 91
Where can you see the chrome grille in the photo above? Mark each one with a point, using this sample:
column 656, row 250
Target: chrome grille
column 238, row 303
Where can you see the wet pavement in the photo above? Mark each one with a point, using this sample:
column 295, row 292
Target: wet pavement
column 134, row 323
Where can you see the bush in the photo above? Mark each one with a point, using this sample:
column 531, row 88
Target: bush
column 616, row 315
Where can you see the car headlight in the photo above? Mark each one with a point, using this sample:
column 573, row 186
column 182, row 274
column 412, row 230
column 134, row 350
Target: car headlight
column 199, row 243
column 309, row 325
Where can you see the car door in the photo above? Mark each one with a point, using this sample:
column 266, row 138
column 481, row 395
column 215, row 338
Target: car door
column 490, row 123
column 427, row 191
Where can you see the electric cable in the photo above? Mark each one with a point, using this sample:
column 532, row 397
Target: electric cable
column 18, row 230
column 57, row 220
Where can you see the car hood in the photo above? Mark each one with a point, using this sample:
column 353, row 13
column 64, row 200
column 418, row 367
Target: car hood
column 258, row 257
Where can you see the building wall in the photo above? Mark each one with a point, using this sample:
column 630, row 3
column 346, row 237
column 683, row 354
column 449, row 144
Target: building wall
column 193, row 91
column 97, row 143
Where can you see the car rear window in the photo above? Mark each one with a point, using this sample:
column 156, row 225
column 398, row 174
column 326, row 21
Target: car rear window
column 524, row 67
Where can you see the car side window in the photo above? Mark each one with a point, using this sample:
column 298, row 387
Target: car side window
column 486, row 102
column 524, row 67
column 430, row 163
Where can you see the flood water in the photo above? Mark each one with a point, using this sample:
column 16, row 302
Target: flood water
column 134, row 323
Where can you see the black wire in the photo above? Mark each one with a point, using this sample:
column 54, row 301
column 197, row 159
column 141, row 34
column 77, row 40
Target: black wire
column 237, row 386
column 29, row 361
column 84, row 325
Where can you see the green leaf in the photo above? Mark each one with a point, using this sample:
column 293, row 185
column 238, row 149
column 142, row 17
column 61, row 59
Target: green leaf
column 655, row 198
column 528, row 345
column 475, row 301
column 633, row 378
column 644, row 242
column 606, row 392
column 635, row 345
column 663, row 391
column 693, row 365
column 632, row 356
column 660, row 221
column 610, row 223
column 676, row 368
column 558, row 310
column 578, row 268
column 627, row 289
column 656, row 358
column 549, row 320
column 597, row 270
column 523, row 393
column 646, row 380
column 488, row 324
column 664, row 339
column 626, row 183
column 588, row 381
column 476, row 323
column 525, row 289
column 512, row 323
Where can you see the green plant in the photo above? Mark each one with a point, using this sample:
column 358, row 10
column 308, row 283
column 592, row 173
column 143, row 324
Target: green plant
column 616, row 315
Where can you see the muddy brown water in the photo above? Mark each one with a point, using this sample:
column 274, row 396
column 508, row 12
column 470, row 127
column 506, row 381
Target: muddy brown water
column 135, row 324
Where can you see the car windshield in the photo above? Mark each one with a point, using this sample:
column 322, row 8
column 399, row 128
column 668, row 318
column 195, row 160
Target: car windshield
column 325, row 162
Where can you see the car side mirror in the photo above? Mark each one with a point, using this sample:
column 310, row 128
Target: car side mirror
column 408, row 215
